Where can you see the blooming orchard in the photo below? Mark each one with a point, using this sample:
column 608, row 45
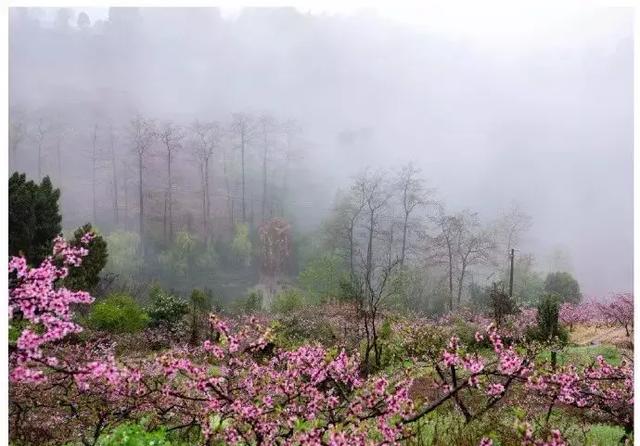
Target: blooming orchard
column 240, row 388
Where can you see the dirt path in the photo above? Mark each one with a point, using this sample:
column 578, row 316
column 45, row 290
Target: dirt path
column 594, row 335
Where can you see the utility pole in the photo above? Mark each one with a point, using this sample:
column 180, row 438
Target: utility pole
column 511, row 273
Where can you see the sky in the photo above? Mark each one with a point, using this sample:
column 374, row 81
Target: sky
column 496, row 104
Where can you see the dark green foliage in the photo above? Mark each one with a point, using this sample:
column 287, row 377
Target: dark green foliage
column 200, row 304
column 351, row 290
column 501, row 305
column 321, row 277
column 287, row 301
column 200, row 300
column 87, row 275
column 548, row 328
column 34, row 218
column 253, row 302
column 165, row 308
column 548, row 315
column 564, row 285
column 117, row 313
column 291, row 330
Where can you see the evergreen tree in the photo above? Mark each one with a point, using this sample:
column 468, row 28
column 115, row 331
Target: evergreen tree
column 564, row 285
column 34, row 218
column 87, row 275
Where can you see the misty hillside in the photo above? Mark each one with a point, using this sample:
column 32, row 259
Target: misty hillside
column 546, row 123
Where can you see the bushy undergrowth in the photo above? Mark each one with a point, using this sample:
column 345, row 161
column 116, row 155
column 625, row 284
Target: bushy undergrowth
column 165, row 308
column 287, row 301
column 117, row 313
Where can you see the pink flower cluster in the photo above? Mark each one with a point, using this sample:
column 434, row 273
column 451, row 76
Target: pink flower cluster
column 44, row 306
column 603, row 388
column 270, row 400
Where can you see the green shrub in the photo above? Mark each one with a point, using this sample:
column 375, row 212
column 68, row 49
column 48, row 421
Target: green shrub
column 200, row 303
column 501, row 305
column 117, row 313
column 87, row 275
column 287, row 301
column 321, row 277
column 134, row 435
column 604, row 435
column 291, row 330
column 200, row 300
column 549, row 327
column 165, row 308
column 253, row 302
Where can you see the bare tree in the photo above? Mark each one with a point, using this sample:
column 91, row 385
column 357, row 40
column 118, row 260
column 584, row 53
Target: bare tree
column 171, row 137
column 125, row 187
column 378, row 264
column 208, row 137
column 376, row 195
column 290, row 132
column 142, row 133
column 243, row 127
column 40, row 134
column 114, row 175
column 342, row 227
column 461, row 242
column 267, row 128
column 444, row 243
column 509, row 228
column 60, row 131
column 17, row 131
column 94, row 161
column 227, row 184
column 413, row 194
column 473, row 245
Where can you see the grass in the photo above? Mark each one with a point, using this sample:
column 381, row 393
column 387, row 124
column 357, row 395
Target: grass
column 604, row 435
column 584, row 354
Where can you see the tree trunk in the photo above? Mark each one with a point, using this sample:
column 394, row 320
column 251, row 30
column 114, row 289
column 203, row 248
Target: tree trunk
column 204, row 200
column 116, row 211
column 59, row 160
column 404, row 238
column 170, row 198
column 244, row 211
column 164, row 218
column 460, row 282
column 351, row 268
column 93, row 173
column 40, row 159
column 141, row 202
column 264, row 181
column 370, row 248
column 126, row 198
column 208, row 195
column 450, row 281
column 228, row 189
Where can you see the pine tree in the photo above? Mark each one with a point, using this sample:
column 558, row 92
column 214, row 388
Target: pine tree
column 34, row 217
column 87, row 275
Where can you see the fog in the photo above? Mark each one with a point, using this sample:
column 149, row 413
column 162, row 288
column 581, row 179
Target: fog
column 543, row 119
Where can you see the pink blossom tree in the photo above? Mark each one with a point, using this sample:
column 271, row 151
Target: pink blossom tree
column 619, row 311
